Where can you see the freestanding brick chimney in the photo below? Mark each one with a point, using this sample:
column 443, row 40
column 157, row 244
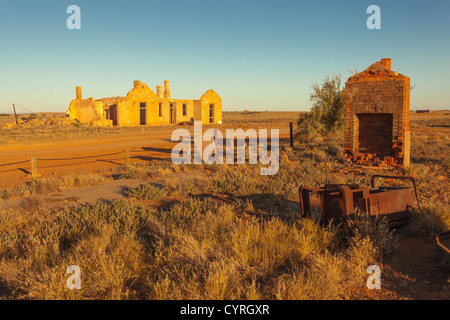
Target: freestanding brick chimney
column 166, row 89
column 377, row 116
column 159, row 91
column 78, row 93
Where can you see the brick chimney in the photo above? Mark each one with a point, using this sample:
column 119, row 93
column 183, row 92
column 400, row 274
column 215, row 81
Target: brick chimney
column 386, row 62
column 377, row 104
column 78, row 93
column 166, row 89
column 159, row 91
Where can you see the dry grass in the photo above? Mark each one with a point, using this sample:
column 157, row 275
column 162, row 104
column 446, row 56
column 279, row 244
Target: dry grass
column 226, row 233
column 199, row 248
column 48, row 185
column 431, row 219
column 146, row 192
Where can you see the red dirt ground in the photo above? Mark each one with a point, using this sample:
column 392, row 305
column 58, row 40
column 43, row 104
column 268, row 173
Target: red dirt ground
column 142, row 147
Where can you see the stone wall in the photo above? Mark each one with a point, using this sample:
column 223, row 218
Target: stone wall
column 84, row 110
column 126, row 111
column 210, row 98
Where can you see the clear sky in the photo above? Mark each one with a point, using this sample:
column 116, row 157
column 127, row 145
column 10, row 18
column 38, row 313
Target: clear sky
column 256, row 54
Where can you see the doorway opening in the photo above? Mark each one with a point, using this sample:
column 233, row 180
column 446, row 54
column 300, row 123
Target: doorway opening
column 172, row 114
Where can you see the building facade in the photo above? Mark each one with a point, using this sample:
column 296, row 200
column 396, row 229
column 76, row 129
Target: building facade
column 142, row 106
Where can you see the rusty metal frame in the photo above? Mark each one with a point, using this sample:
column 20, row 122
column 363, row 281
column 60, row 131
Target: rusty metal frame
column 443, row 241
column 338, row 202
column 398, row 178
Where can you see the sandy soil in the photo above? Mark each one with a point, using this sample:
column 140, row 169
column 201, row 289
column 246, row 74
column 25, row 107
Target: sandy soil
column 143, row 147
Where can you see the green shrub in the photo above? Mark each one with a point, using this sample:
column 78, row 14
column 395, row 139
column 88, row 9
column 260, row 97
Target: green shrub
column 328, row 110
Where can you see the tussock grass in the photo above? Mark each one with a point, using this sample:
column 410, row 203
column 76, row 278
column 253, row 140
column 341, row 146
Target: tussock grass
column 49, row 185
column 177, row 187
column 429, row 220
column 237, row 182
column 149, row 170
column 255, row 245
column 142, row 170
column 195, row 249
column 375, row 229
column 146, row 192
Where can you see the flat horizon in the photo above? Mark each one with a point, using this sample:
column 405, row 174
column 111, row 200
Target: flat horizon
column 256, row 55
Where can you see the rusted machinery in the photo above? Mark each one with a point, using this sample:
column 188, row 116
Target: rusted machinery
column 443, row 241
column 338, row 202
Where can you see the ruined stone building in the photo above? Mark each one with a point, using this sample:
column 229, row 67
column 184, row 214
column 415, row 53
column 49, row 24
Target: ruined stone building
column 142, row 106
column 377, row 116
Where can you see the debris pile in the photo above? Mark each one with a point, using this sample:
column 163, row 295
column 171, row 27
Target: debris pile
column 372, row 160
column 36, row 122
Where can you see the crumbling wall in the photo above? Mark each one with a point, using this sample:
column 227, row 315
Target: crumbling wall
column 127, row 111
column 84, row 110
column 377, row 116
column 177, row 105
column 189, row 110
column 209, row 98
column 197, row 104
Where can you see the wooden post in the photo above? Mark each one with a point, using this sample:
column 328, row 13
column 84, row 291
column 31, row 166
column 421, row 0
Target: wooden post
column 127, row 157
column 15, row 114
column 291, row 132
column 34, row 170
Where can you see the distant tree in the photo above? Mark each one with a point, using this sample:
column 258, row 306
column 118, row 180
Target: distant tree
column 327, row 112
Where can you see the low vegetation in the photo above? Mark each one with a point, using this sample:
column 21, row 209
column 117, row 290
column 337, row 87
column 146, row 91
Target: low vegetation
column 146, row 192
column 48, row 185
column 195, row 249
column 210, row 231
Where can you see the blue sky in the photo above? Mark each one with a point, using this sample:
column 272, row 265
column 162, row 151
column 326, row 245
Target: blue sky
column 258, row 55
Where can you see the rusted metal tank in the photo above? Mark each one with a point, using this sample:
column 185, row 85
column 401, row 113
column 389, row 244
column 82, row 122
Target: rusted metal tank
column 338, row 202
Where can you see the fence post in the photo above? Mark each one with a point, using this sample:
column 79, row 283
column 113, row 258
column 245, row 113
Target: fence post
column 291, row 133
column 127, row 157
column 34, row 170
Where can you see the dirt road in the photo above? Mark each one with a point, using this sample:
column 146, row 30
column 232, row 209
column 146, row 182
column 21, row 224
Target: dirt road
column 59, row 158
